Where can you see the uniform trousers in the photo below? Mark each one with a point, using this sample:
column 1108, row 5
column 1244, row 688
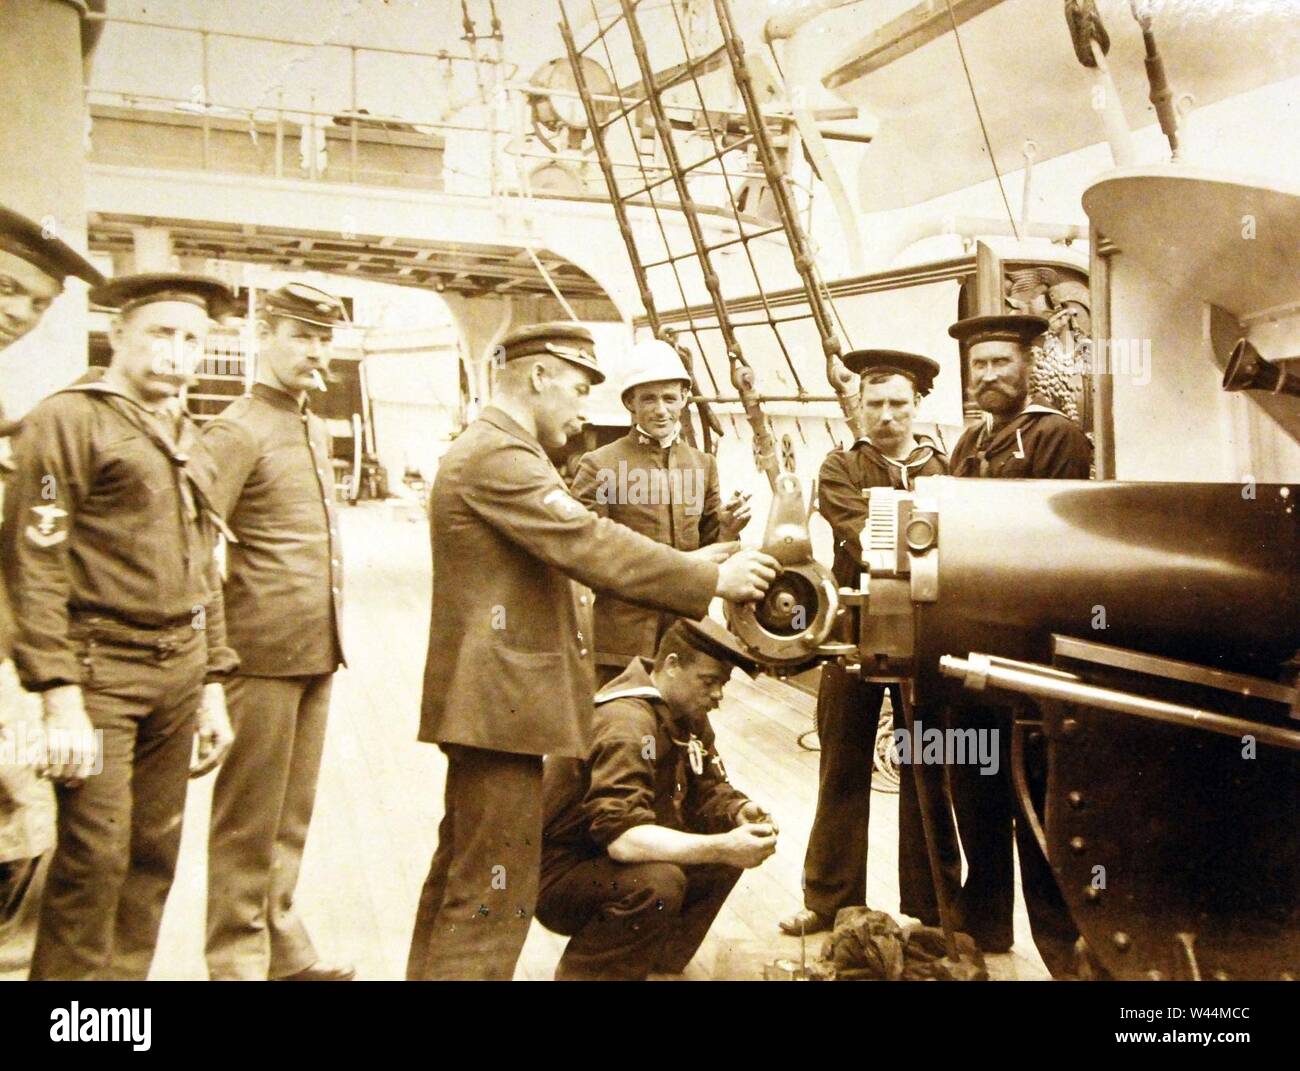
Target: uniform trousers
column 481, row 892
column 835, row 864
column 26, row 822
column 261, row 811
column 119, row 832
column 625, row 920
column 989, row 824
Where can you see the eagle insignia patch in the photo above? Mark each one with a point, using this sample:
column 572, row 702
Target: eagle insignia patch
column 48, row 531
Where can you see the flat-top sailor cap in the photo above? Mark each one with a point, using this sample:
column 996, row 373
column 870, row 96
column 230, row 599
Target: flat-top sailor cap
column 710, row 638
column 1009, row 328
column 129, row 291
column 920, row 369
column 25, row 238
column 298, row 301
column 568, row 341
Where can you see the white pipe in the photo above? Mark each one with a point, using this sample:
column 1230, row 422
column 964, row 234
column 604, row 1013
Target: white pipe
column 978, row 227
column 783, row 27
column 1112, row 110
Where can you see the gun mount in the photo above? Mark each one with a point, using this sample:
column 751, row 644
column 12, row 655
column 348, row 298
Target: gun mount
column 1173, row 749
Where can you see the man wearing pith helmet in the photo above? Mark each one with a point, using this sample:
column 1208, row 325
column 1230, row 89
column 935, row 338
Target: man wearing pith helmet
column 284, row 595
column 509, row 675
column 653, row 482
column 891, row 454
column 107, row 549
column 34, row 265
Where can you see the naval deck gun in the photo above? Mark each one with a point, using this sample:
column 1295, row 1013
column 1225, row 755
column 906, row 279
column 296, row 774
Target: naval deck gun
column 1144, row 630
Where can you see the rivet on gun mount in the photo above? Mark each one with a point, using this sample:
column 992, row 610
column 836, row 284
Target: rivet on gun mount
column 787, row 628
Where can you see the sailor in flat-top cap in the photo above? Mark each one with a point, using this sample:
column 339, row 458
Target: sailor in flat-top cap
column 1019, row 437
column 107, row 548
column 890, row 454
column 645, row 836
column 509, row 675
column 33, row 267
column 284, row 601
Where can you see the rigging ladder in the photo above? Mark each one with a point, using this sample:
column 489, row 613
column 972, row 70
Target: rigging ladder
column 647, row 91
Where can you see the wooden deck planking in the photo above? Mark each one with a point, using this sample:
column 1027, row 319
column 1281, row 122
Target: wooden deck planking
column 380, row 797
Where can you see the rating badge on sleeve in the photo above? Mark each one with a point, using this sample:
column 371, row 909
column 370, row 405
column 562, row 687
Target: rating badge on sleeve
column 49, row 529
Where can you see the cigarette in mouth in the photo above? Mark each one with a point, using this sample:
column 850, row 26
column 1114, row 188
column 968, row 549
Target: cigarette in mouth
column 319, row 380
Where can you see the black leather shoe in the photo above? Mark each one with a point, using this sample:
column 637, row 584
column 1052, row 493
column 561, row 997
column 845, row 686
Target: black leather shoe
column 322, row 972
column 806, row 921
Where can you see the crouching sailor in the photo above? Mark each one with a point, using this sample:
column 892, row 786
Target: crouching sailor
column 646, row 837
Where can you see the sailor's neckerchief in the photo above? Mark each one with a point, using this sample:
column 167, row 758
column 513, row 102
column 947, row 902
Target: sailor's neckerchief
column 194, row 498
column 988, row 439
column 920, row 456
column 646, row 439
column 691, row 751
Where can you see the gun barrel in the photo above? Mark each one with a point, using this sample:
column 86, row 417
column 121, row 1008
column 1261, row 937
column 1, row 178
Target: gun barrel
column 980, row 671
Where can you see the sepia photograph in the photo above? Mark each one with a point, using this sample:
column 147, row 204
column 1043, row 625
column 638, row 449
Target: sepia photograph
column 650, row 490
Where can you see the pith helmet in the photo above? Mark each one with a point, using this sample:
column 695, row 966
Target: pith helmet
column 653, row 361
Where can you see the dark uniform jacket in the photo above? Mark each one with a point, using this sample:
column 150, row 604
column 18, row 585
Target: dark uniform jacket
column 509, row 665
column 1040, row 443
column 284, row 584
column 640, row 771
column 845, row 474
column 669, row 495
column 107, row 515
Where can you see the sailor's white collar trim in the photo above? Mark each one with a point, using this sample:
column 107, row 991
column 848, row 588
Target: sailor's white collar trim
column 638, row 691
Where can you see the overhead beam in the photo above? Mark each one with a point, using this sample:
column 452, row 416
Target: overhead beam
column 903, row 35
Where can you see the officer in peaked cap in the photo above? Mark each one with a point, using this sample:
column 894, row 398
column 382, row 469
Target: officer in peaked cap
column 569, row 342
column 509, row 676
column 306, row 304
column 107, row 548
column 655, row 483
column 891, row 384
column 1017, row 438
column 33, row 268
column 276, row 487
